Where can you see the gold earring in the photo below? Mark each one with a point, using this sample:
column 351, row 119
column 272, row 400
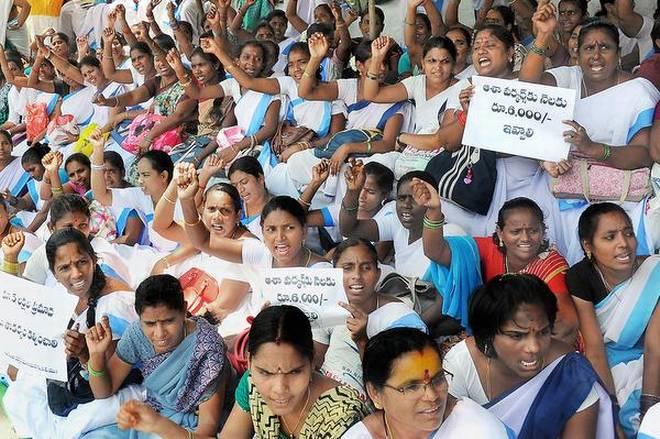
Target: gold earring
column 500, row 242
column 588, row 255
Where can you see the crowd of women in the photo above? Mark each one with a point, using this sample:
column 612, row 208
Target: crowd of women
column 157, row 157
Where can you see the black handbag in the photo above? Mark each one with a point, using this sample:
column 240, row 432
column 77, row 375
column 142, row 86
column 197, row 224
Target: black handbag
column 467, row 177
column 64, row 397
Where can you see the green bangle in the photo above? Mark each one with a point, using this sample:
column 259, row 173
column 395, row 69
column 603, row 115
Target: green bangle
column 432, row 224
column 349, row 209
column 607, row 152
column 95, row 373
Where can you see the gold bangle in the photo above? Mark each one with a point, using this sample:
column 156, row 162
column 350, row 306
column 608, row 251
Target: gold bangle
column 372, row 76
column 10, row 267
column 306, row 75
column 168, row 200
column 192, row 224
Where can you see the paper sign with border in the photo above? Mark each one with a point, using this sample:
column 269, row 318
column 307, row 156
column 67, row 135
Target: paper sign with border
column 32, row 324
column 519, row 118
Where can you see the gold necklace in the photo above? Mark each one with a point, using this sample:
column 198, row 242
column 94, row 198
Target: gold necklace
column 292, row 432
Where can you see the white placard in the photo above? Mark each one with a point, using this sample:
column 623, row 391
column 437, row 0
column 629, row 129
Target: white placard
column 519, row 118
column 33, row 319
column 316, row 292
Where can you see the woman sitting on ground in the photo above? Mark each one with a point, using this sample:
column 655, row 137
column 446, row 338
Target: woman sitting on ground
column 182, row 360
column 280, row 396
column 513, row 366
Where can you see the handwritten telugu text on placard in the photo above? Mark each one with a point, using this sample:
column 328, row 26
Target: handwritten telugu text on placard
column 519, row 118
column 32, row 322
column 316, row 292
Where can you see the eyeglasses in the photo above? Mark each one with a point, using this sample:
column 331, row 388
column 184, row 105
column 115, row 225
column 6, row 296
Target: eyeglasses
column 417, row 390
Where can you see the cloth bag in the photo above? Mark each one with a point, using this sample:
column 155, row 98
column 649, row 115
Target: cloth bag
column 60, row 128
column 141, row 126
column 36, row 119
column 287, row 135
column 595, row 182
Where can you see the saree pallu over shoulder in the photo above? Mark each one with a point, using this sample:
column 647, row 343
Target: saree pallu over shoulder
column 457, row 282
column 623, row 317
column 625, row 313
column 332, row 414
column 541, row 407
column 178, row 381
column 14, row 178
column 547, row 266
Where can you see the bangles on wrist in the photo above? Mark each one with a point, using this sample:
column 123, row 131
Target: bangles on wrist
column 434, row 224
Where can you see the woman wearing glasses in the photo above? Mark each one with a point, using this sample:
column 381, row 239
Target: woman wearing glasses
column 537, row 385
column 403, row 373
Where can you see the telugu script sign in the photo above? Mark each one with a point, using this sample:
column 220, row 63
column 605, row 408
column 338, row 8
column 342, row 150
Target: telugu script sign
column 32, row 324
column 519, row 118
column 317, row 292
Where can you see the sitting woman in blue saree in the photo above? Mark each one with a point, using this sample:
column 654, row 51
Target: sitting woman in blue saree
column 616, row 296
column 182, row 360
column 537, row 385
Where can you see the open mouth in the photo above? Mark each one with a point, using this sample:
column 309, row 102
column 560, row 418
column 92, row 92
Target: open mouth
column 356, row 288
column 530, row 365
column 624, row 258
column 78, row 285
column 281, row 249
column 484, row 62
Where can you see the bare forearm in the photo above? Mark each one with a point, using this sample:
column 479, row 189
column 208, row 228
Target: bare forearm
column 348, row 219
column 630, row 157
column 100, row 383
column 438, row 27
column 599, row 362
column 435, row 246
column 199, row 236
